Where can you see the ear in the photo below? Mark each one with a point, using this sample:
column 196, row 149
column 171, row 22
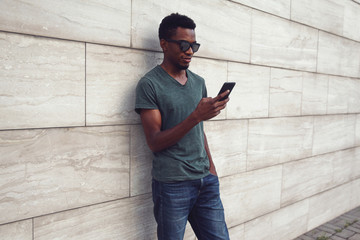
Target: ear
column 164, row 45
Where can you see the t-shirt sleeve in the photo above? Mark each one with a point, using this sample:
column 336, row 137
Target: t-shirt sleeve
column 145, row 96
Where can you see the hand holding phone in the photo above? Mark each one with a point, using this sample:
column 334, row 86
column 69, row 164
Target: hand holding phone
column 227, row 86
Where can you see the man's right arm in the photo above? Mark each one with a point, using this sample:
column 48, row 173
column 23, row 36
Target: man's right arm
column 158, row 140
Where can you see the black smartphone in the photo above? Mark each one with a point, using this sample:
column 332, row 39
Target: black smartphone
column 226, row 86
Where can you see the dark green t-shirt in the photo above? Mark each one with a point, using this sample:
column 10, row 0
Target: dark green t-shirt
column 187, row 159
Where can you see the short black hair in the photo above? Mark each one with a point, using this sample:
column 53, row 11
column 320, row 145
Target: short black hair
column 170, row 23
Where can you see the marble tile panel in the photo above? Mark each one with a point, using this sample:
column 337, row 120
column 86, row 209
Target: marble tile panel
column 249, row 195
column 338, row 56
column 223, row 34
column 96, row 21
column 129, row 218
column 352, row 20
column 354, row 96
column 341, row 92
column 227, row 142
column 278, row 140
column 357, row 128
column 215, row 74
column 50, row 170
column 314, row 94
column 17, row 231
column 280, row 8
column 282, row 43
column 304, row 178
column 333, row 133
column 237, row 232
column 327, row 15
column 355, row 197
column 328, row 205
column 141, row 162
column 112, row 74
column 250, row 96
column 283, row 224
column 285, row 93
column 42, row 82
column 346, row 166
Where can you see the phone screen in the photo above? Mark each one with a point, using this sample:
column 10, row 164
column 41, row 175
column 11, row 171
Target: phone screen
column 226, row 86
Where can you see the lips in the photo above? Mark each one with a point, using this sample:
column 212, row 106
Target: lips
column 187, row 60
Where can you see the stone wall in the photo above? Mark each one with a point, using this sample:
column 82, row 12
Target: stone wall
column 74, row 163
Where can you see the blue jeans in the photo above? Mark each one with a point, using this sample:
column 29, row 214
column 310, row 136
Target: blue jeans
column 195, row 200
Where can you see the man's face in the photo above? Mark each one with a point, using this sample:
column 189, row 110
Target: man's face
column 180, row 59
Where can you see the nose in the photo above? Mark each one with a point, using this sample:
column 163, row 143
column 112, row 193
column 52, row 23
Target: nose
column 189, row 51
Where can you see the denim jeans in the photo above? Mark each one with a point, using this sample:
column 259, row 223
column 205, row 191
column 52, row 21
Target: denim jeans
column 196, row 201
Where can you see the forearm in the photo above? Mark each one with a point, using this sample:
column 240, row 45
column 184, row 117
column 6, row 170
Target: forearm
column 212, row 166
column 161, row 140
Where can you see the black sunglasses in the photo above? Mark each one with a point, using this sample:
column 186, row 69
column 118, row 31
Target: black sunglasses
column 185, row 45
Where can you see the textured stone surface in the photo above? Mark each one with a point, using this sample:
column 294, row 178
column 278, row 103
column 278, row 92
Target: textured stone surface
column 17, row 231
column 42, row 82
column 280, row 7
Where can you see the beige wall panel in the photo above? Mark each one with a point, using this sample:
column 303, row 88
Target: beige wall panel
column 215, row 74
column 250, row 97
column 237, row 232
column 332, row 133
column 285, row 93
column 42, row 82
column 352, row 20
column 284, row 224
column 346, row 166
column 278, row 140
column 339, row 94
column 141, row 162
column 330, row 204
column 223, row 34
column 112, row 74
column 44, row 171
column 249, row 195
column 129, row 218
column 282, row 43
column 227, row 142
column 280, row 7
column 304, row 178
column 17, row 231
column 354, row 98
column 315, row 94
column 355, row 197
column 91, row 21
column 338, row 56
column 327, row 15
column 357, row 134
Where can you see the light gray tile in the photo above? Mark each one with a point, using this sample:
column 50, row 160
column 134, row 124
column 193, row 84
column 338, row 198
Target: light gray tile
column 282, row 43
column 96, row 21
column 333, row 133
column 227, row 142
column 339, row 94
column 285, row 93
column 215, row 74
column 355, row 197
column 141, row 162
column 280, row 7
column 111, row 77
column 327, row 15
column 17, row 231
column 354, row 96
column 42, row 82
column 346, row 166
column 223, row 34
column 250, row 97
column 44, row 171
column 304, row 178
column 357, row 128
column 338, row 56
column 352, row 20
column 278, row 140
column 129, row 218
column 249, row 195
column 283, row 224
column 237, row 232
column 315, row 94
column 328, row 205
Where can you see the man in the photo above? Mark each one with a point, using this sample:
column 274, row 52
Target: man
column 172, row 102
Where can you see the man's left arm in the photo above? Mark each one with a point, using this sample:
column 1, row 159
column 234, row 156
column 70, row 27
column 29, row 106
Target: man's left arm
column 212, row 166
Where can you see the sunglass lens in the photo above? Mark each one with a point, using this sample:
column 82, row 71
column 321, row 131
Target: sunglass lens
column 195, row 47
column 184, row 46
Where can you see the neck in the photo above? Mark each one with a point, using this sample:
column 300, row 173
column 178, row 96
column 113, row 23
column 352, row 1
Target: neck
column 178, row 74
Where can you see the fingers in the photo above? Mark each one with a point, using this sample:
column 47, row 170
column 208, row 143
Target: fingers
column 220, row 96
